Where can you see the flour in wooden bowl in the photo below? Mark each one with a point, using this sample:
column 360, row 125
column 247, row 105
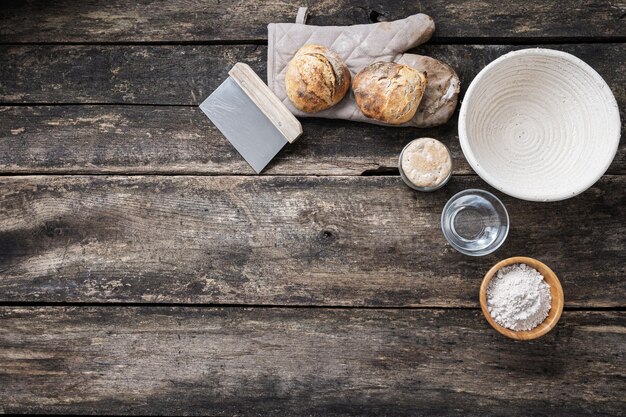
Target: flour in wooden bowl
column 518, row 297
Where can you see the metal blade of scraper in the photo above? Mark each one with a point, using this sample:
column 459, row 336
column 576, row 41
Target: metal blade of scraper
column 250, row 120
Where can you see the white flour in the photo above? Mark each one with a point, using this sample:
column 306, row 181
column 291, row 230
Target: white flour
column 518, row 297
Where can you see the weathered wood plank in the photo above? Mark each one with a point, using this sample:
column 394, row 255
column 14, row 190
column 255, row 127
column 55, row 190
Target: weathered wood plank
column 318, row 362
column 189, row 20
column 137, row 139
column 351, row 241
column 120, row 74
column 187, row 74
column 155, row 139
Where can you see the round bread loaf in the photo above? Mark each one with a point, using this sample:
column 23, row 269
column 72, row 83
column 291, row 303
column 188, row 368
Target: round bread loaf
column 316, row 79
column 389, row 92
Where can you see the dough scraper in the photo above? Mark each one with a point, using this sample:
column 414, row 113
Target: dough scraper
column 251, row 117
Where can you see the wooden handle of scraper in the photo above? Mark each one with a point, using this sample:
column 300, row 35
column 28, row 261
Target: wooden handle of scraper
column 266, row 101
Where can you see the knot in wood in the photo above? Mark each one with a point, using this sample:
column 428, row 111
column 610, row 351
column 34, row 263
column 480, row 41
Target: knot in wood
column 327, row 236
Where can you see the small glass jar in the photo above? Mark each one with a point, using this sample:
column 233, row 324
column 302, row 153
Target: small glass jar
column 431, row 162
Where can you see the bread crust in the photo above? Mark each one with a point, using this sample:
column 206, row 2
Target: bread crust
column 389, row 92
column 316, row 79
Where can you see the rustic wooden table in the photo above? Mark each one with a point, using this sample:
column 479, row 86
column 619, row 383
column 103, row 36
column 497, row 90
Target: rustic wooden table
column 144, row 270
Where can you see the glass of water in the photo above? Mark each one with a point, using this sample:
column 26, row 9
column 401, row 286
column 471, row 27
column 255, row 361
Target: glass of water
column 475, row 222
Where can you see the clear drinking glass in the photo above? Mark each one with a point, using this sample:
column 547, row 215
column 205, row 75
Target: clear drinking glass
column 475, row 222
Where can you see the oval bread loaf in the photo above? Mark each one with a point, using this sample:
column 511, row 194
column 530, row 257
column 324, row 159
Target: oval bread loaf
column 316, row 79
column 389, row 92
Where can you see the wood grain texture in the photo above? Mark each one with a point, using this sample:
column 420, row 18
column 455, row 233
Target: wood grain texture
column 175, row 74
column 317, row 362
column 154, row 139
column 229, row 20
column 350, row 241
column 145, row 139
column 293, row 241
column 187, row 74
column 128, row 139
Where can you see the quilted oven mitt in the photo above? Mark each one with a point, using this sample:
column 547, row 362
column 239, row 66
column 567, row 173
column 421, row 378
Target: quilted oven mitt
column 360, row 45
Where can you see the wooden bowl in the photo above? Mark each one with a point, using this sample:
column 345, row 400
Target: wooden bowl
column 556, row 291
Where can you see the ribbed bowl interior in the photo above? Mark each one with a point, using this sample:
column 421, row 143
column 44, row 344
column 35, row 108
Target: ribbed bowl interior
column 539, row 124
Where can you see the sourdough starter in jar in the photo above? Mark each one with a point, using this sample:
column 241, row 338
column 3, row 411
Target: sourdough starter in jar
column 425, row 164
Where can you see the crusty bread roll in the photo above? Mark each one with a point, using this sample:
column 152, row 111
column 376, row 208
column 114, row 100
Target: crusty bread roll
column 316, row 79
column 389, row 92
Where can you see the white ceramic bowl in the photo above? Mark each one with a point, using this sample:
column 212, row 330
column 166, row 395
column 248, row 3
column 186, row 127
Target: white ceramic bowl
column 539, row 125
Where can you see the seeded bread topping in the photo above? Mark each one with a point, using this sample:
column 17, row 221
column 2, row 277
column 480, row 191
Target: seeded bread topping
column 426, row 162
